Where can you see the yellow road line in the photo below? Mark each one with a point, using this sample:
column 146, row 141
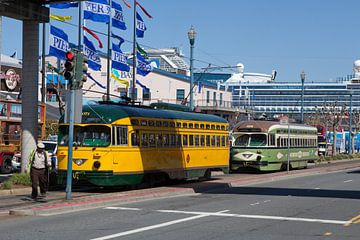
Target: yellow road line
column 354, row 220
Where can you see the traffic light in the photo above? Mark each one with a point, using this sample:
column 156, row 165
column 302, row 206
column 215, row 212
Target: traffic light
column 69, row 65
column 81, row 69
column 84, row 68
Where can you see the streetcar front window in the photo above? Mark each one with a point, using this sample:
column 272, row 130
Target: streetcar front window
column 250, row 140
column 242, row 141
column 258, row 140
column 86, row 136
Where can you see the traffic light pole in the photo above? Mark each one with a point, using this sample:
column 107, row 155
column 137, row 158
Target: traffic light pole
column 70, row 145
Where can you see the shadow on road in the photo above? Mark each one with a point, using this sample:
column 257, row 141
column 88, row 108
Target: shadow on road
column 356, row 171
column 269, row 191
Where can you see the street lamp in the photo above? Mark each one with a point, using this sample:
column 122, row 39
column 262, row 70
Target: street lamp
column 302, row 76
column 350, row 122
column 191, row 36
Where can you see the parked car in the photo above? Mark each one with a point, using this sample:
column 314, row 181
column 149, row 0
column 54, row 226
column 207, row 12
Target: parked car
column 50, row 147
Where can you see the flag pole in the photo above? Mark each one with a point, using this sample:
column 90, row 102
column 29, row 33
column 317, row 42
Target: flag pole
column 134, row 59
column 108, row 56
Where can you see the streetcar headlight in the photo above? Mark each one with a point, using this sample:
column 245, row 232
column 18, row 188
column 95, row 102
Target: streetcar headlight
column 79, row 161
column 96, row 164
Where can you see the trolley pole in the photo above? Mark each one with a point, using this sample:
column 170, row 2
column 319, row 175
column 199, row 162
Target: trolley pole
column 288, row 155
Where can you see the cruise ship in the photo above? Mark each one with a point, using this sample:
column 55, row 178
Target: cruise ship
column 262, row 94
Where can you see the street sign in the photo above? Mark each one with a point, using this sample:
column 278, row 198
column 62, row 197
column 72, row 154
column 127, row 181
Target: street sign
column 284, row 120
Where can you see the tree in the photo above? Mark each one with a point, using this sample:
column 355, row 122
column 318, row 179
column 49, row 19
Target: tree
column 331, row 115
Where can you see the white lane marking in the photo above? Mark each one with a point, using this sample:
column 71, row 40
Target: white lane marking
column 267, row 201
column 348, row 181
column 123, row 208
column 153, row 227
column 259, row 217
column 253, row 204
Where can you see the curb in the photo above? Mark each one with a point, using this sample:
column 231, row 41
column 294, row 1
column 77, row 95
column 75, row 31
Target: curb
column 15, row 191
column 65, row 206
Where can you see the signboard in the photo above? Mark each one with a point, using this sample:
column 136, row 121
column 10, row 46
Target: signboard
column 284, row 120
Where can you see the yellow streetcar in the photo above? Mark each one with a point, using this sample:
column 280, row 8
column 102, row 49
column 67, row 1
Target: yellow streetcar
column 119, row 145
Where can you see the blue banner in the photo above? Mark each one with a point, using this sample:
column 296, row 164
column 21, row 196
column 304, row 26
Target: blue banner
column 140, row 26
column 121, row 40
column 92, row 55
column 117, row 16
column 97, row 11
column 142, row 85
column 143, row 67
column 58, row 43
column 118, row 59
column 64, row 5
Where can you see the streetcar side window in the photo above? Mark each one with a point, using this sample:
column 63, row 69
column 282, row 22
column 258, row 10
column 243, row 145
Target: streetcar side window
column 159, row 140
column 166, row 140
column 134, row 122
column 152, row 142
column 121, row 135
column 213, row 141
column 196, row 138
column 191, row 140
column 223, row 141
column 144, row 140
column 172, row 140
column 208, row 140
column 178, row 140
column 202, row 140
column 185, row 140
column 218, row 141
column 158, row 123
column 135, row 139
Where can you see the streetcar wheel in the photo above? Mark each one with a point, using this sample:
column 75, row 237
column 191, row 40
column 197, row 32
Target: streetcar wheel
column 207, row 175
column 7, row 166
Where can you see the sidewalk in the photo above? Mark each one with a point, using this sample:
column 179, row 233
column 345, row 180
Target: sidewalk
column 16, row 203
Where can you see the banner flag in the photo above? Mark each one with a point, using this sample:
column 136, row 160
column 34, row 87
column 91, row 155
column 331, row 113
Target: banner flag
column 97, row 11
column 94, row 35
column 143, row 9
column 121, row 40
column 143, row 67
column 60, row 18
column 90, row 52
column 128, row 5
column 200, row 86
column 141, row 51
column 58, row 42
column 117, row 16
column 142, row 85
column 119, row 59
column 64, row 5
column 140, row 26
column 122, row 81
column 97, row 83
column 53, row 68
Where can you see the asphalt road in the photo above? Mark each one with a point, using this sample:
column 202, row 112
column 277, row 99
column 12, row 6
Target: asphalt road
column 314, row 207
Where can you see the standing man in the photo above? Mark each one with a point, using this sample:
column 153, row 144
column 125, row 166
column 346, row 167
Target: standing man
column 39, row 164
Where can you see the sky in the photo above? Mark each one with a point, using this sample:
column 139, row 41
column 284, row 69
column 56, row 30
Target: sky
column 320, row 37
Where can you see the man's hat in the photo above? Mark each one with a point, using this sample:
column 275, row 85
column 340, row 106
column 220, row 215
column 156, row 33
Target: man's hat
column 40, row 145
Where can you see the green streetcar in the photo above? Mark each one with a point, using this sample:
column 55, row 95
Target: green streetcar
column 264, row 145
